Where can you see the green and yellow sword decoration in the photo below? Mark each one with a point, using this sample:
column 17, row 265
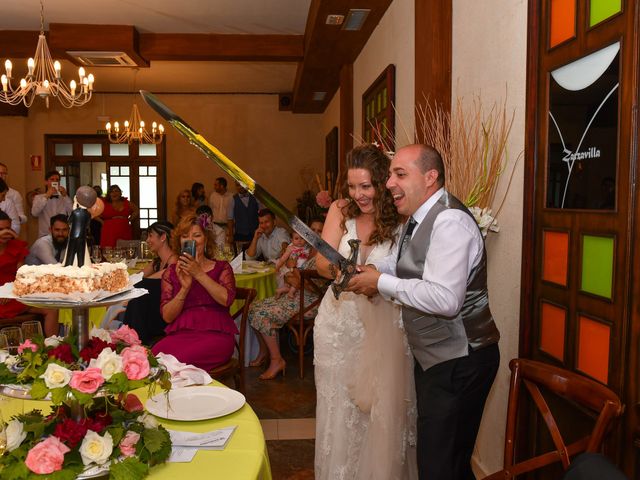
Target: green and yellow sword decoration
column 347, row 266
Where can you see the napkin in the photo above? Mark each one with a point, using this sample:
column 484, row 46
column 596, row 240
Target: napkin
column 236, row 263
column 183, row 375
column 185, row 445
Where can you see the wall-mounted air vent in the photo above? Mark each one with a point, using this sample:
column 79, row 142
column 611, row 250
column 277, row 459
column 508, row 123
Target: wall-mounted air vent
column 103, row 59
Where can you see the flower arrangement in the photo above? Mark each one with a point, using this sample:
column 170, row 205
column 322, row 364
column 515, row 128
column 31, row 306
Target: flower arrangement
column 94, row 421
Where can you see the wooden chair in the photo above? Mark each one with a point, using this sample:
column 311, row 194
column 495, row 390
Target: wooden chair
column 298, row 324
column 235, row 366
column 577, row 389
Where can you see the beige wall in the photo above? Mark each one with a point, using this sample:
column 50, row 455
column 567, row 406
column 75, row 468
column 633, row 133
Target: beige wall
column 489, row 57
column 272, row 146
column 391, row 42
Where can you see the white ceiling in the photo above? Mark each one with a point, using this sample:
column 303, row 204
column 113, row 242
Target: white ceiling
column 287, row 17
column 171, row 16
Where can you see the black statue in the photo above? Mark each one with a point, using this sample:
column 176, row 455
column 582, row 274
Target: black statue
column 79, row 219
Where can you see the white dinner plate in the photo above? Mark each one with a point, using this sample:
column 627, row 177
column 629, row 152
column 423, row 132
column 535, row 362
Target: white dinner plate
column 195, row 403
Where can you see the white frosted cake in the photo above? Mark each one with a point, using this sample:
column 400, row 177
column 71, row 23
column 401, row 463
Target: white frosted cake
column 35, row 279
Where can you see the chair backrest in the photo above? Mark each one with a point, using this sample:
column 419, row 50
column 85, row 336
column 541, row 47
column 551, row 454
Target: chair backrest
column 306, row 282
column 248, row 295
column 575, row 388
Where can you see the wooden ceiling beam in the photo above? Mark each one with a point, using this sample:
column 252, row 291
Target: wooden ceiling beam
column 211, row 47
column 17, row 43
column 328, row 48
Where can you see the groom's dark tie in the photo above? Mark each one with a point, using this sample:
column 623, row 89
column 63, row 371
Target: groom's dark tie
column 411, row 225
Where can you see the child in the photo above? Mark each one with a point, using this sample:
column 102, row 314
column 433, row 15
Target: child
column 294, row 256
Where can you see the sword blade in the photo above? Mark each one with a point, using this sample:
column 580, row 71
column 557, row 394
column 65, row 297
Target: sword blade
column 245, row 180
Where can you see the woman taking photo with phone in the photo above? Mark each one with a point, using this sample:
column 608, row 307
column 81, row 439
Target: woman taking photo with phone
column 195, row 298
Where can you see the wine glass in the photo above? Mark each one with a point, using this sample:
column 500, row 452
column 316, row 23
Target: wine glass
column 96, row 254
column 31, row 329
column 14, row 337
column 108, row 253
column 227, row 253
column 4, row 343
column 131, row 252
column 117, row 255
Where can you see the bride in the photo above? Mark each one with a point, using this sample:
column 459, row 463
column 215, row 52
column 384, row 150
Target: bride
column 365, row 416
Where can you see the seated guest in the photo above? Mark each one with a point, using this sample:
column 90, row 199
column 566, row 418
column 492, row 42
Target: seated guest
column 268, row 240
column 143, row 313
column 8, row 206
column 195, row 299
column 205, row 215
column 159, row 241
column 50, row 249
column 269, row 315
column 12, row 253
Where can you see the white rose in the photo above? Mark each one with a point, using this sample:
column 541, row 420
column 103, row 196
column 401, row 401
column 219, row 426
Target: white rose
column 56, row 376
column 11, row 360
column 52, row 341
column 96, row 449
column 15, row 434
column 3, row 355
column 109, row 362
column 100, row 333
column 149, row 421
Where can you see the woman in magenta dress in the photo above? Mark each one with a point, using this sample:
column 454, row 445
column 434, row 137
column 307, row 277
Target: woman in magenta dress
column 195, row 299
column 12, row 253
column 116, row 217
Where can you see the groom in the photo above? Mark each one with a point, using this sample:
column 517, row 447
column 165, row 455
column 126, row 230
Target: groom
column 438, row 273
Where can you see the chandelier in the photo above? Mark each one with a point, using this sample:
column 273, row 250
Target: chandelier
column 43, row 79
column 134, row 130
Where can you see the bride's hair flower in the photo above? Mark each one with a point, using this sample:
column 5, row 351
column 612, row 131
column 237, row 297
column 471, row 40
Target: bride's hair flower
column 323, row 199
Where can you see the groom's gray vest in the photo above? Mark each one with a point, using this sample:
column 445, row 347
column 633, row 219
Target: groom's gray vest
column 435, row 339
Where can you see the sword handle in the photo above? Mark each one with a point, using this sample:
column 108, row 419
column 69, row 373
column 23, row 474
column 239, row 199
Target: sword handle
column 347, row 269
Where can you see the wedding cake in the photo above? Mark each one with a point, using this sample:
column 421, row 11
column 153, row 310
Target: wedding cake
column 35, row 279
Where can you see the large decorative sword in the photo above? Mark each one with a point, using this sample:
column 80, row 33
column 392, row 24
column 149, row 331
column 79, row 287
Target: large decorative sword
column 347, row 266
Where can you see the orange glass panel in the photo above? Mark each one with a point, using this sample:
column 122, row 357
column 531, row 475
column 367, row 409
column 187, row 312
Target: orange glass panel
column 563, row 21
column 593, row 348
column 555, row 257
column 552, row 330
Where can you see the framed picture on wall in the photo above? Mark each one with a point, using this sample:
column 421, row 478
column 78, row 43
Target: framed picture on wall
column 378, row 115
column 331, row 159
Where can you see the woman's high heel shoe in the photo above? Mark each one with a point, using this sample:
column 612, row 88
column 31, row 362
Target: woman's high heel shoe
column 270, row 376
column 258, row 362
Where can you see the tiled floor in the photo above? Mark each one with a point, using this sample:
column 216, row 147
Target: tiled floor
column 286, row 408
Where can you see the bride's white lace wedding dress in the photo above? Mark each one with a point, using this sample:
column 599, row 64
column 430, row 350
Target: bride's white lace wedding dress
column 365, row 416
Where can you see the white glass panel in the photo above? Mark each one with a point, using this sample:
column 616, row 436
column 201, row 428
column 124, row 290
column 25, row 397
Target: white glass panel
column 142, row 171
column 144, row 223
column 123, row 183
column 85, row 174
column 124, row 171
column 148, row 192
column 98, row 171
column 104, row 183
column 144, row 213
column 147, row 150
column 119, row 149
column 153, row 170
column 64, row 149
column 153, row 213
column 114, row 171
column 92, row 149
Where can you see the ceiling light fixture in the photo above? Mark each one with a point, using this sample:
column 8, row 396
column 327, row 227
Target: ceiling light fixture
column 43, row 79
column 134, row 129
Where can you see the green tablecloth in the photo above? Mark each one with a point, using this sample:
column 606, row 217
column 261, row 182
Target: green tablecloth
column 244, row 458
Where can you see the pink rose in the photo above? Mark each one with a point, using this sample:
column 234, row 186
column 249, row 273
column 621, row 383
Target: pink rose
column 135, row 363
column 47, row 456
column 323, row 199
column 128, row 443
column 125, row 335
column 27, row 344
column 87, row 381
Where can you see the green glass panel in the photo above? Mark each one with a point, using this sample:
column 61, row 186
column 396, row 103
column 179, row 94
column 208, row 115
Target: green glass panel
column 597, row 265
column 384, row 98
column 602, row 9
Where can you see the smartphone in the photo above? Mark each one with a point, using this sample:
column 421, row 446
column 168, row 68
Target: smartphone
column 54, row 185
column 189, row 246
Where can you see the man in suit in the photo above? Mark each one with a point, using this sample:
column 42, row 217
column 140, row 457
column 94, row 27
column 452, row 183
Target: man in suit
column 438, row 275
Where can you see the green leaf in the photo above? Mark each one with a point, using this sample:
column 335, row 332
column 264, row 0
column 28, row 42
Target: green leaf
column 116, row 434
column 15, row 471
column 129, row 469
column 153, row 439
column 59, row 395
column 38, row 390
column 83, row 398
column 69, row 473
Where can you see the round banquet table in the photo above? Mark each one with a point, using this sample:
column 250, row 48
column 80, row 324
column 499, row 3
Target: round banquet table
column 265, row 285
column 245, row 456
